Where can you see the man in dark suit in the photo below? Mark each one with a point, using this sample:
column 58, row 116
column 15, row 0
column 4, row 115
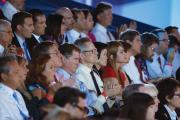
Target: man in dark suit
column 22, row 26
column 39, row 22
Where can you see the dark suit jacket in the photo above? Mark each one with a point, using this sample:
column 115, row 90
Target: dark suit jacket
column 162, row 113
column 31, row 42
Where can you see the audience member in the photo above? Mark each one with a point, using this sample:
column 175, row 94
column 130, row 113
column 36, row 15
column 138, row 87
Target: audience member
column 78, row 27
column 11, row 7
column 6, row 38
column 88, row 24
column 73, row 101
column 132, row 69
column 102, row 56
column 103, row 16
column 22, row 26
column 11, row 102
column 150, row 43
column 160, row 67
column 169, row 96
column 139, row 106
column 39, row 22
column 55, row 28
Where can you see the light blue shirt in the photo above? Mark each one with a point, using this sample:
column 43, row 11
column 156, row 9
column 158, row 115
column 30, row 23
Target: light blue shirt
column 73, row 35
column 9, row 108
column 155, row 70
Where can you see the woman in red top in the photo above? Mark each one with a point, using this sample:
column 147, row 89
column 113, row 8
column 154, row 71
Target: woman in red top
column 112, row 75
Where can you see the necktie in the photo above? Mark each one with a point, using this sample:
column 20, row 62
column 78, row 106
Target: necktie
column 109, row 36
column 105, row 105
column 139, row 69
column 25, row 117
column 159, row 61
column 26, row 51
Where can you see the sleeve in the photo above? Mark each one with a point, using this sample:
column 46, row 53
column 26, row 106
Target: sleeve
column 108, row 72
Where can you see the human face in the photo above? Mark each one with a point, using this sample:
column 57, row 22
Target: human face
column 40, row 25
column 89, row 22
column 90, row 54
column 71, row 63
column 163, row 43
column 56, row 56
column 68, row 18
column 23, row 70
column 6, row 35
column 106, row 17
column 150, row 113
column 175, row 101
column 103, row 58
column 19, row 4
column 151, row 49
column 27, row 28
column 81, row 21
column 12, row 78
column 120, row 56
column 136, row 45
column 49, row 72
column 79, row 110
column 127, row 56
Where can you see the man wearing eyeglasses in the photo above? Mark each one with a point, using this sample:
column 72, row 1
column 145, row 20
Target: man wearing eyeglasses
column 73, row 101
column 161, row 67
column 6, row 38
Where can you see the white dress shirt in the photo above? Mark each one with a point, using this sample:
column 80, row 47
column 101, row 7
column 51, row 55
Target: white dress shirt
column 172, row 114
column 9, row 10
column 73, row 35
column 100, row 32
column 156, row 70
column 21, row 41
column 1, row 50
column 37, row 37
column 9, row 108
column 83, row 75
column 132, row 71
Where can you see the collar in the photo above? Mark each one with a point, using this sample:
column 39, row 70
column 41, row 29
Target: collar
column 7, row 90
column 172, row 114
column 20, row 40
column 85, row 68
column 100, row 27
column 74, row 32
column 36, row 37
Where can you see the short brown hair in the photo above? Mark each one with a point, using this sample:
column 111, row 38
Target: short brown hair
column 129, row 35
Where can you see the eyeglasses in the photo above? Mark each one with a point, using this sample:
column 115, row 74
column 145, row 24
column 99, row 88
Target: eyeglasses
column 9, row 32
column 91, row 51
column 177, row 95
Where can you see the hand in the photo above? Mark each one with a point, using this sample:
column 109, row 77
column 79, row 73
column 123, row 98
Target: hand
column 12, row 49
column 132, row 25
column 170, row 55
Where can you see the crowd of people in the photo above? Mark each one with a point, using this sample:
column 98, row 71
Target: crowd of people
column 69, row 66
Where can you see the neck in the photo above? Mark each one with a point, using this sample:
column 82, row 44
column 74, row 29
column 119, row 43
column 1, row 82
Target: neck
column 103, row 25
column 67, row 70
column 10, row 85
column 171, row 107
column 77, row 29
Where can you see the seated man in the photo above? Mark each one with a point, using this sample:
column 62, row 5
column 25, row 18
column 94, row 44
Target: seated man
column 73, row 101
column 12, row 104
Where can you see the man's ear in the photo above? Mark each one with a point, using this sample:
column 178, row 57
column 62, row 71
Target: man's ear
column 3, row 77
column 19, row 27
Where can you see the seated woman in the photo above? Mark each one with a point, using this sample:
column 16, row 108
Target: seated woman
column 114, row 78
column 138, row 106
column 41, row 79
column 102, row 56
column 169, row 96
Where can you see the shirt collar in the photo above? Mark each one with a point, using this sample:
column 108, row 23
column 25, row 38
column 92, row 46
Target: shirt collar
column 7, row 90
column 172, row 114
column 20, row 40
column 85, row 68
column 102, row 28
column 36, row 37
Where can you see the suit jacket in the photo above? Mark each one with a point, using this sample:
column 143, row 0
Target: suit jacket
column 162, row 113
column 31, row 42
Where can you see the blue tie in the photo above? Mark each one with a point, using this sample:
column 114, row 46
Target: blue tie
column 25, row 117
column 26, row 51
